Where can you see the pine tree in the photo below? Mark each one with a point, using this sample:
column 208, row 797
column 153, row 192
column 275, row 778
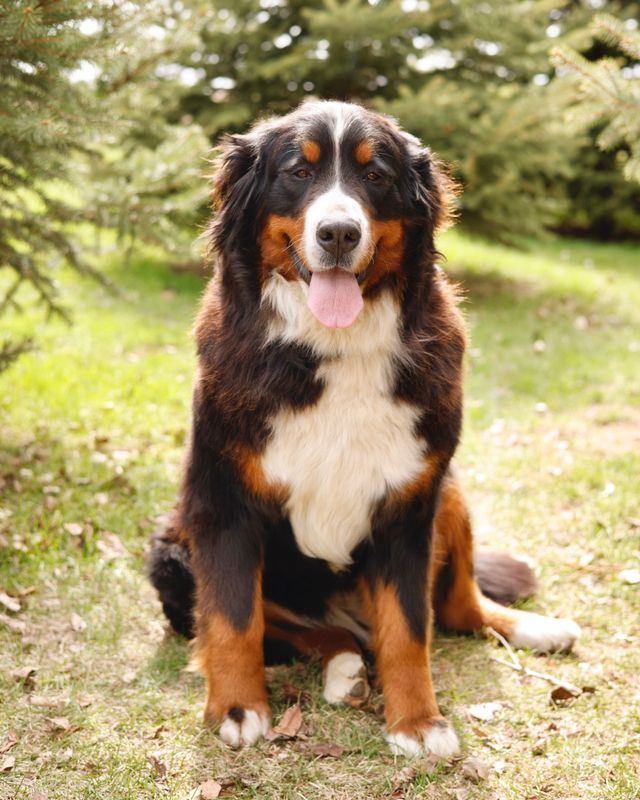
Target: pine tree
column 608, row 90
column 42, row 118
column 84, row 138
column 470, row 78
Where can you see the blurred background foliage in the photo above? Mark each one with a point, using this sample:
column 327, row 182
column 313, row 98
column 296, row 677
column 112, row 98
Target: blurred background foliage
column 109, row 109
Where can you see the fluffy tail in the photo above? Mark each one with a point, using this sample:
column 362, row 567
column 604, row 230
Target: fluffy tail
column 170, row 572
column 503, row 578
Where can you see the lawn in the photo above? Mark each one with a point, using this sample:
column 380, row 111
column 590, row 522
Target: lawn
column 96, row 701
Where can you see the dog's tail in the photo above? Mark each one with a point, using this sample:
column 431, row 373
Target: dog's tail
column 503, row 578
column 169, row 568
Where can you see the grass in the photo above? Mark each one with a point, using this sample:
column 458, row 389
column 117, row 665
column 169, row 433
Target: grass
column 92, row 432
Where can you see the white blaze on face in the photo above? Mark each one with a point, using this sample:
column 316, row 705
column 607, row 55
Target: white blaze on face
column 335, row 205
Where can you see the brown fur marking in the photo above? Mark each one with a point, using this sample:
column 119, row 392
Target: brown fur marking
column 233, row 662
column 254, row 479
column 311, row 151
column 403, row 666
column 364, row 152
column 277, row 232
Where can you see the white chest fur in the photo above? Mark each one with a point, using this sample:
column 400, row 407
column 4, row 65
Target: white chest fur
column 343, row 454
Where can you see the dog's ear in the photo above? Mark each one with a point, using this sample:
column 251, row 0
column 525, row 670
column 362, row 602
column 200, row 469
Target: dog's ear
column 235, row 191
column 433, row 190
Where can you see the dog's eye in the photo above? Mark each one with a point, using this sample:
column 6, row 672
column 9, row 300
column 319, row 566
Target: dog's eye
column 372, row 176
column 302, row 173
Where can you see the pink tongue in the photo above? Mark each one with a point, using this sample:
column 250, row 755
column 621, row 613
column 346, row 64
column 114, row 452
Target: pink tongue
column 334, row 298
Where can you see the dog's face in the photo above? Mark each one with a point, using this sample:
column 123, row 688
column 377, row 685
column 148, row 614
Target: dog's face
column 328, row 194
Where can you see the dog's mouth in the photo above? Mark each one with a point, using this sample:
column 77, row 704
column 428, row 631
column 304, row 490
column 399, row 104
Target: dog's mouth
column 334, row 296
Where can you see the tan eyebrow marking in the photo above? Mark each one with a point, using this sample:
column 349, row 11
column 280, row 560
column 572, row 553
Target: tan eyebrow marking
column 364, row 152
column 311, row 151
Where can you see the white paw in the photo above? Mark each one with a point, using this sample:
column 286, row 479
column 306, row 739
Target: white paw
column 244, row 726
column 545, row 634
column 345, row 679
column 439, row 739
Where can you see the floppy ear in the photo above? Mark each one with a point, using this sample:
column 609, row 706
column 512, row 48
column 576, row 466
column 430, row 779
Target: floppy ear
column 434, row 190
column 235, row 192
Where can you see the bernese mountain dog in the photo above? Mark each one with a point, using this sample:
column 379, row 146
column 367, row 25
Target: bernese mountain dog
column 319, row 511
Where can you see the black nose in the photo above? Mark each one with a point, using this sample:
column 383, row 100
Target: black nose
column 338, row 238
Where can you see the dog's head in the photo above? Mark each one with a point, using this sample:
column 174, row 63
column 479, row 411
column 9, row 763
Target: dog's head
column 332, row 195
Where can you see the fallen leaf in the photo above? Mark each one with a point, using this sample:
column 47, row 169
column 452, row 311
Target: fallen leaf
column 293, row 694
column 59, row 723
column 77, row 623
column 73, row 528
column 15, row 625
column 208, row 790
column 40, row 701
column 83, row 699
column 539, row 747
column 629, row 576
column 485, row 711
column 155, row 762
column 401, row 782
column 562, row 695
column 326, row 750
column 461, row 793
column 8, row 764
column 24, row 674
column 39, row 796
column 9, row 602
column 290, row 723
column 111, row 546
column 9, row 742
column 474, row 769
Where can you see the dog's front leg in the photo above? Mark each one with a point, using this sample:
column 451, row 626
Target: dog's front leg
column 397, row 595
column 230, row 627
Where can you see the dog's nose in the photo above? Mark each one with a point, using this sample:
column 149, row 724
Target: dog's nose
column 338, row 238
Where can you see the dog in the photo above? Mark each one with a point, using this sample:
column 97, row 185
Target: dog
column 319, row 512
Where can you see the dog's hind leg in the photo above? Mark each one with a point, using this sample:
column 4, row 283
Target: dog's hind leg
column 458, row 599
column 344, row 672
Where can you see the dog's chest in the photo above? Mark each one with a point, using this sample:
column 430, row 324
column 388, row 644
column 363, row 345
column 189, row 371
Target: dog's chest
column 339, row 457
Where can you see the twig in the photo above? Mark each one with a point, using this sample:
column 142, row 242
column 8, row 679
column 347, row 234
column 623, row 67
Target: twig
column 517, row 665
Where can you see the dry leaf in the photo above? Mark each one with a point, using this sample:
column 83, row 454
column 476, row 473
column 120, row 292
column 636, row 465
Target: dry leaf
column 40, row 701
column 401, row 781
column 59, row 723
column 326, row 750
column 9, row 602
column 7, row 764
column 293, row 694
column 474, row 769
column 290, row 723
column 24, row 674
column 39, row 796
column 485, row 711
column 15, row 625
column 539, row 747
column 629, row 576
column 83, row 699
column 73, row 528
column 208, row 790
column 461, row 793
column 77, row 623
column 159, row 767
column 9, row 742
column 563, row 695
column 111, row 546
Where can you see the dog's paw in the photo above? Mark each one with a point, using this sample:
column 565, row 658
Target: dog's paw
column 345, row 679
column 244, row 726
column 436, row 738
column 544, row 634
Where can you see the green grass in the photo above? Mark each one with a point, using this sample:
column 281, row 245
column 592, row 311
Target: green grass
column 92, row 429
